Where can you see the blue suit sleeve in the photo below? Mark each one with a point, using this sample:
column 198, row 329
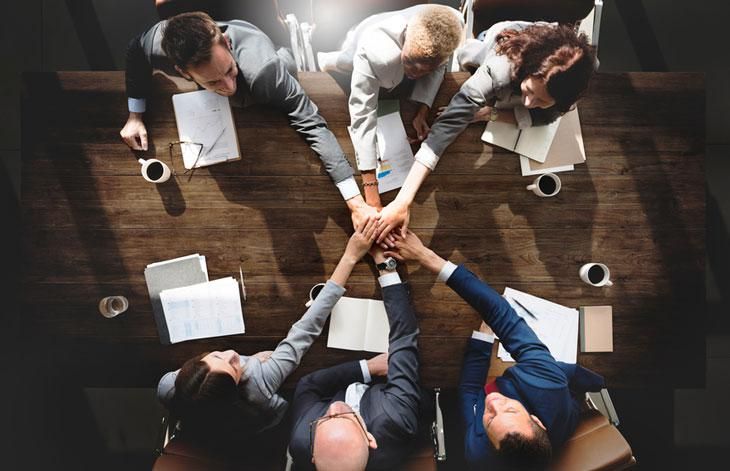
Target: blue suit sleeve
column 514, row 333
column 582, row 380
column 471, row 384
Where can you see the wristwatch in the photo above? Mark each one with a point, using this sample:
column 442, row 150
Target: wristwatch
column 389, row 264
column 493, row 114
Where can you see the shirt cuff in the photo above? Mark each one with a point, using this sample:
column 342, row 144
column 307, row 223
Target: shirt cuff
column 366, row 378
column 476, row 335
column 136, row 105
column 446, row 271
column 389, row 279
column 522, row 116
column 427, row 157
column 348, row 188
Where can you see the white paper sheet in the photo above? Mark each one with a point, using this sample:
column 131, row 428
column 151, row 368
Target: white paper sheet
column 211, row 309
column 359, row 324
column 396, row 156
column 556, row 326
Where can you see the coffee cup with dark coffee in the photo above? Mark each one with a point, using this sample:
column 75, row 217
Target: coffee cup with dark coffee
column 545, row 185
column 313, row 293
column 155, row 171
column 595, row 274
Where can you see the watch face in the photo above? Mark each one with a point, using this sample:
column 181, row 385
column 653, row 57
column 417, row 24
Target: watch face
column 390, row 263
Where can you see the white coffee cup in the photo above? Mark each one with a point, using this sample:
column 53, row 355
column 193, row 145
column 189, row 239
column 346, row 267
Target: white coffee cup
column 316, row 289
column 595, row 274
column 544, row 183
column 155, row 171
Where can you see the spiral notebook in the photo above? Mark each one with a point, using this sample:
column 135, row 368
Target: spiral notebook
column 206, row 129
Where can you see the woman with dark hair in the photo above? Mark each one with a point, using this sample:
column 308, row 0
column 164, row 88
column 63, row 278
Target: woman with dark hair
column 223, row 396
column 528, row 74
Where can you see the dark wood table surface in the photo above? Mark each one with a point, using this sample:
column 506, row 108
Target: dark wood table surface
column 91, row 224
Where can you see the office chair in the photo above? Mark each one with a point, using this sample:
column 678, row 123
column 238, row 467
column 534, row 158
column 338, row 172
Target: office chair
column 596, row 443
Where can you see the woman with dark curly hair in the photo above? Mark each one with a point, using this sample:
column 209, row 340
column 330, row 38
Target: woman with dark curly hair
column 224, row 398
column 528, row 74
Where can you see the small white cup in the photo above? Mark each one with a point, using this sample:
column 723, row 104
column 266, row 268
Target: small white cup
column 535, row 185
column 112, row 306
column 161, row 171
column 605, row 275
column 316, row 289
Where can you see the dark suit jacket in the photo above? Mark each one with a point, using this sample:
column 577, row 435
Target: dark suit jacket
column 390, row 409
column 546, row 387
column 264, row 76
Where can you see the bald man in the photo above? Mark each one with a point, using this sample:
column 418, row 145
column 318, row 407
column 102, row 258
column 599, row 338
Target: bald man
column 341, row 421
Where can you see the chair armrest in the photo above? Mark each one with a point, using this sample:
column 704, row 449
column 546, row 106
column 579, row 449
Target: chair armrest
column 437, row 431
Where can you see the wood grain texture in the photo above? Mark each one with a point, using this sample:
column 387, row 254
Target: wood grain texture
column 91, row 224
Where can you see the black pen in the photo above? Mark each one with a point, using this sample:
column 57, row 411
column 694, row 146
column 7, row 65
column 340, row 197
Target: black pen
column 524, row 308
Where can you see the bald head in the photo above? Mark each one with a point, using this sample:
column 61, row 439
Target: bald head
column 341, row 440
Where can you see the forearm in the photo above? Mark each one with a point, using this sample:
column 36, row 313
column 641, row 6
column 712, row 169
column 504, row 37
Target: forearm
column 430, row 260
column 138, row 75
column 416, row 175
column 343, row 269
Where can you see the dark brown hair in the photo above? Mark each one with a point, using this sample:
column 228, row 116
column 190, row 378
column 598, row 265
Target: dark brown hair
column 521, row 453
column 189, row 37
column 204, row 400
column 559, row 55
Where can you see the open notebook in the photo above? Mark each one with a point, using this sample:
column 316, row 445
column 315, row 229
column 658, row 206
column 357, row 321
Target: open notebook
column 359, row 324
column 206, row 129
column 533, row 142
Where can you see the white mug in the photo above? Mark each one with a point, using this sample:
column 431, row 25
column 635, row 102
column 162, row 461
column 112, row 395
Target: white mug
column 312, row 295
column 585, row 274
column 535, row 186
column 162, row 171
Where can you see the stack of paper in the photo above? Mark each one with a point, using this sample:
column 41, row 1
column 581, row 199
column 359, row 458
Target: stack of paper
column 533, row 142
column 187, row 306
column 565, row 151
column 209, row 309
column 556, row 326
column 359, row 324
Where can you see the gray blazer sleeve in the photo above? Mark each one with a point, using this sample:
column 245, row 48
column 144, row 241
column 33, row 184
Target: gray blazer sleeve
column 276, row 86
column 288, row 354
column 493, row 75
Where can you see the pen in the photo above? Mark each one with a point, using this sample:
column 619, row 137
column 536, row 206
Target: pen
column 524, row 308
column 200, row 154
column 243, row 287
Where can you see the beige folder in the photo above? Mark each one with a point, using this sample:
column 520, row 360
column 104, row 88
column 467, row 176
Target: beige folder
column 596, row 329
column 566, row 149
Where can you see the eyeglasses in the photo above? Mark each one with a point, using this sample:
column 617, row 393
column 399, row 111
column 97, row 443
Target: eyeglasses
column 315, row 423
column 198, row 145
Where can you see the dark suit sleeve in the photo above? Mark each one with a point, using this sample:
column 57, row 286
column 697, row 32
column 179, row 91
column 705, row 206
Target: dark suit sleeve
column 321, row 385
column 139, row 70
column 402, row 385
column 276, row 86
column 541, row 117
column 514, row 333
column 473, row 374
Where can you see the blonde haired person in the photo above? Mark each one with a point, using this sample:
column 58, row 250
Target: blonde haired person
column 409, row 46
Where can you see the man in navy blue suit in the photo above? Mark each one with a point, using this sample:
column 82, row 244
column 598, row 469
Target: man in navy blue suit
column 518, row 419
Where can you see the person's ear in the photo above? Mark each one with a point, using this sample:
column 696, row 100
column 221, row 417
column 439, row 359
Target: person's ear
column 372, row 443
column 229, row 42
column 183, row 74
column 537, row 421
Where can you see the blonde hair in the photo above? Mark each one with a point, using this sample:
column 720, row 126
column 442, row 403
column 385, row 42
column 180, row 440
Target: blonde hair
column 434, row 33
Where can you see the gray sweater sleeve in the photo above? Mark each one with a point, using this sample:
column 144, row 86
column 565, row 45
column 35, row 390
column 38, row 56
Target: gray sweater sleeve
column 493, row 75
column 288, row 354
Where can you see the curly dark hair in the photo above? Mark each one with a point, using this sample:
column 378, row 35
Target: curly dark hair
column 518, row 452
column 188, row 39
column 558, row 55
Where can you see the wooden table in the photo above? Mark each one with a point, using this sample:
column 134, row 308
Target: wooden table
column 91, row 225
